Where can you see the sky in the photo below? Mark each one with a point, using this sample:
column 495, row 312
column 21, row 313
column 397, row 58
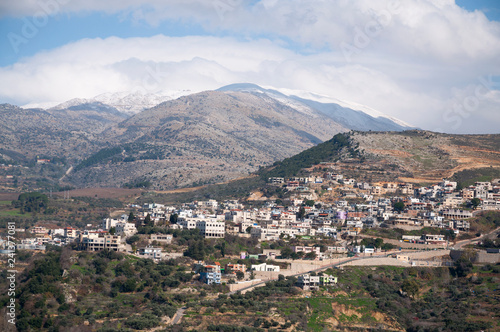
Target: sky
column 434, row 64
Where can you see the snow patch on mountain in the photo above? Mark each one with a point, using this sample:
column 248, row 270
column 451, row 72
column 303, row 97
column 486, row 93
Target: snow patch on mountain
column 126, row 102
column 347, row 104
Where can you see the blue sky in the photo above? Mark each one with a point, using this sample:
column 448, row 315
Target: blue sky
column 432, row 63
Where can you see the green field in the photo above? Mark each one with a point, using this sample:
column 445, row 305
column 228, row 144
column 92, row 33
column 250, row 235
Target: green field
column 14, row 213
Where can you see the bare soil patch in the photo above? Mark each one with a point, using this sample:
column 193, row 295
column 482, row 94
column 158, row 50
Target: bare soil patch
column 8, row 196
column 101, row 192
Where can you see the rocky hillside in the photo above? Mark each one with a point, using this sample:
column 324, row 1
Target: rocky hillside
column 422, row 156
column 207, row 137
column 71, row 132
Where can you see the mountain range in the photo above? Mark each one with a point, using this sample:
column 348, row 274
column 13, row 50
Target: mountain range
column 199, row 138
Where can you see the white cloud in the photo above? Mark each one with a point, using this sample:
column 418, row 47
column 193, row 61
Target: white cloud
column 410, row 59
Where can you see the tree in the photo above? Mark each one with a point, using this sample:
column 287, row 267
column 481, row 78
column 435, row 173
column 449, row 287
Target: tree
column 302, row 213
column 475, row 202
column 410, row 287
column 133, row 239
column 174, row 218
column 398, row 206
column 196, row 250
column 131, row 217
column 240, row 275
column 112, row 230
column 310, row 255
column 223, row 249
column 463, row 265
column 148, row 221
column 309, row 202
column 286, row 252
column 31, row 202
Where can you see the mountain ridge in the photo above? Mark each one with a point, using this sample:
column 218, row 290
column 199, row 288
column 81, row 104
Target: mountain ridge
column 206, row 137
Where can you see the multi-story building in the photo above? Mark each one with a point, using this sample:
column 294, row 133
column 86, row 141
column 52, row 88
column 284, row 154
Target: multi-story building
column 125, row 228
column 210, row 274
column 456, row 214
column 70, row 232
column 188, row 223
column 434, row 238
column 161, row 238
column 95, row 241
column 236, row 267
column 308, row 282
column 272, row 233
column 150, row 252
column 211, row 228
column 306, row 250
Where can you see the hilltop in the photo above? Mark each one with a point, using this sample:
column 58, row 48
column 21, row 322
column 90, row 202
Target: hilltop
column 415, row 156
column 197, row 139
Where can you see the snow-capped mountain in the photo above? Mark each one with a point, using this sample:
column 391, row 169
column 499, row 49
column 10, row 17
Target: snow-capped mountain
column 126, row 102
column 347, row 114
column 350, row 115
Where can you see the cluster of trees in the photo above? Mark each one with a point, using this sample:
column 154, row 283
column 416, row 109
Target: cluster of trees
column 137, row 184
column 41, row 288
column 327, row 151
column 31, row 202
column 287, row 252
column 416, row 296
column 99, row 157
column 377, row 243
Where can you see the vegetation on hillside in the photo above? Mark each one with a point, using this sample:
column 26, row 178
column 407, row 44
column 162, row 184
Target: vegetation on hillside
column 31, row 202
column 99, row 157
column 104, row 290
column 328, row 151
column 468, row 177
column 236, row 189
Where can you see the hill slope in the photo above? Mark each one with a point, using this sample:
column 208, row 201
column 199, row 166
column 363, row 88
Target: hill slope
column 410, row 156
column 206, row 137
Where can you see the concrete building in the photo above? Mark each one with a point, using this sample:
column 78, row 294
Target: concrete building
column 125, row 228
column 211, row 229
column 272, row 233
column 150, row 252
column 95, row 241
column 306, row 250
column 309, row 282
column 456, row 214
column 265, row 267
column 236, row 267
column 161, row 238
column 211, row 274
column 70, row 232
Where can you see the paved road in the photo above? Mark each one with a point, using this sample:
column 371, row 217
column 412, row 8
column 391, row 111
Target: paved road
column 325, row 267
column 458, row 245
column 67, row 173
column 178, row 315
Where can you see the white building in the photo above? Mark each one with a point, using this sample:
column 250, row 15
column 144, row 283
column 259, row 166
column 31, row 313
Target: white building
column 161, row 238
column 125, row 228
column 272, row 233
column 95, row 241
column 210, row 228
column 265, row 267
column 150, row 252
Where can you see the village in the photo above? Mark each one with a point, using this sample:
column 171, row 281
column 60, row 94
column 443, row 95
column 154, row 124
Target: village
column 343, row 217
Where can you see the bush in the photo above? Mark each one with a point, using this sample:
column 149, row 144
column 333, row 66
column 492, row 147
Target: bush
column 145, row 321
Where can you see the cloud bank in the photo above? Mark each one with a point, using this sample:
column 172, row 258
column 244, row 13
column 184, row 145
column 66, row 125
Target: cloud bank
column 429, row 63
